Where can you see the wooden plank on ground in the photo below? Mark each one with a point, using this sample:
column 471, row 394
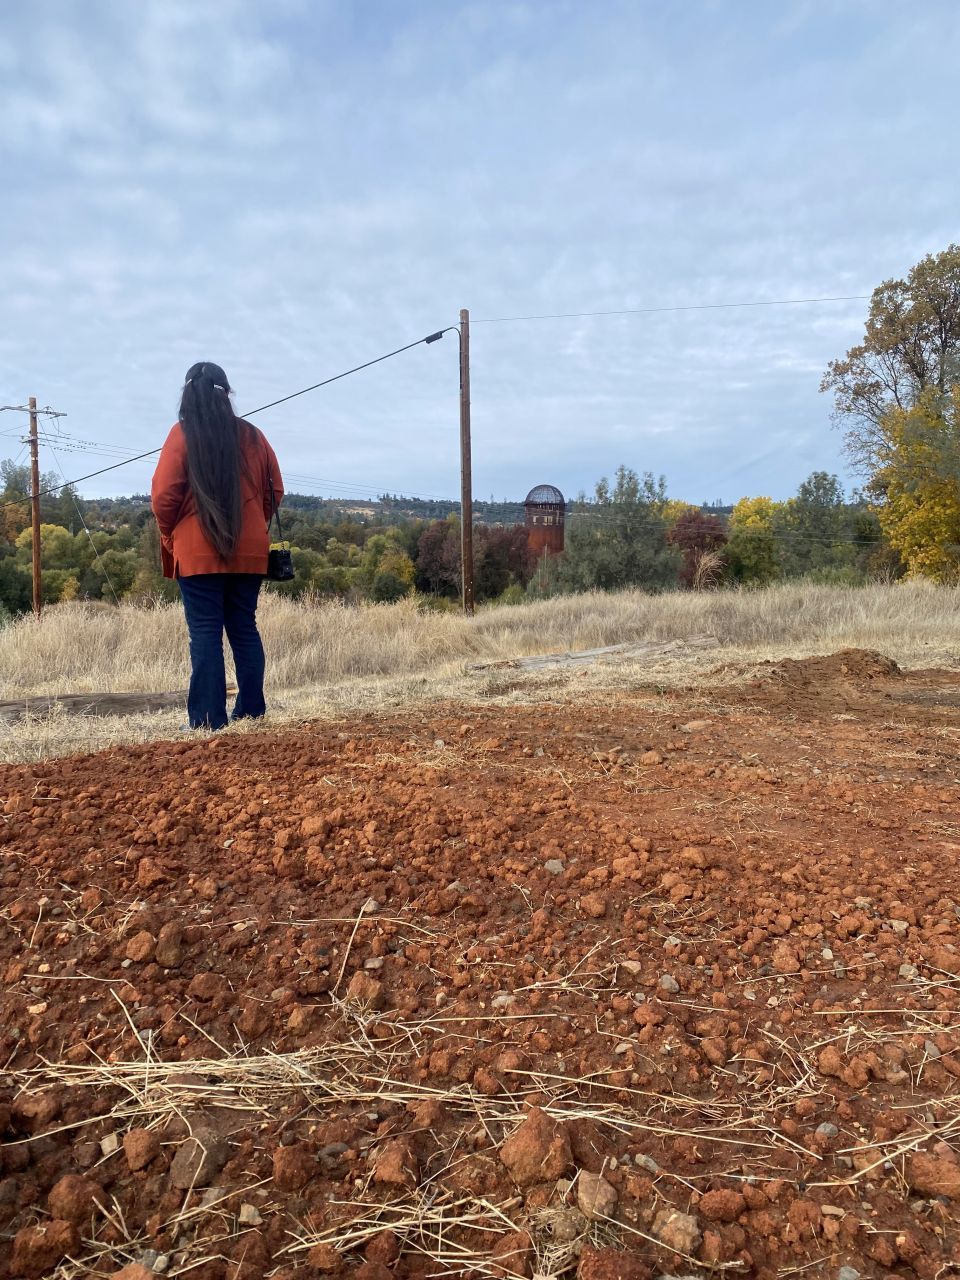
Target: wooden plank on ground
column 583, row 657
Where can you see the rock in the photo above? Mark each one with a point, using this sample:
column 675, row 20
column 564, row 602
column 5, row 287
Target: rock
column 205, row 985
column 75, row 1199
column 722, row 1206
column 109, row 1144
column 678, row 1231
column 714, row 1049
column 555, row 867
column 593, row 905
column 610, row 1264
column 669, row 984
column 397, row 1165
column 249, row 1216
column 512, row 1255
column 37, row 1250
column 293, row 1167
column 198, row 1160
column 150, row 873
column 384, row 1247
column 169, row 949
column 324, row 1258
column 141, row 947
column 830, row 1062
column 643, row 1161
column 503, row 1000
column 539, row 1151
column 785, row 958
column 365, row 991
column 848, row 1273
column 933, row 1175
column 595, row 1196
column 140, row 1146
column 899, row 927
column 633, row 967
column 908, row 971
column 827, row 1130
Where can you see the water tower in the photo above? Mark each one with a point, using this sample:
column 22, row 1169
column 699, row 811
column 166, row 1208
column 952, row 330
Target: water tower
column 544, row 510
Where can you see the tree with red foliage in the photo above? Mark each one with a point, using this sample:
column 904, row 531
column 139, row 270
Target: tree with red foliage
column 698, row 536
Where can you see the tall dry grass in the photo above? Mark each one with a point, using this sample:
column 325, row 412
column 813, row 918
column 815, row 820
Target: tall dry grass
column 82, row 648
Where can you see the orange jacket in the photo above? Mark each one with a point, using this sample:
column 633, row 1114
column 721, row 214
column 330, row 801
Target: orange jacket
column 184, row 549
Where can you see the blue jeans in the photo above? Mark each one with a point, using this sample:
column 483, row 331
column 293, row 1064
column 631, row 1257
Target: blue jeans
column 214, row 602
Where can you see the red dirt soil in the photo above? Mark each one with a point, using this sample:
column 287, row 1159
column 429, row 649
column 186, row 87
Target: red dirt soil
column 669, row 986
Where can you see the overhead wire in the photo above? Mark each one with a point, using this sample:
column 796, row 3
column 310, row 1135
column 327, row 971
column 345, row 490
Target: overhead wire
column 428, row 338
column 649, row 311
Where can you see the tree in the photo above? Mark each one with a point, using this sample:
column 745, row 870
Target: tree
column 911, row 344
column 752, row 542
column 438, row 558
column 701, row 539
column 622, row 542
column 917, row 485
column 814, row 527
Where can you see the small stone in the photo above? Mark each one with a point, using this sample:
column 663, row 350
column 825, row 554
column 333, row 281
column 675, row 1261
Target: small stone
column 249, row 1216
column 931, row 1050
column 293, row 1167
column 37, row 1250
column 827, row 1130
column 198, row 1160
column 593, row 905
column 899, row 927
column 908, row 971
column 169, row 949
column 554, row 866
column 669, row 984
column 633, row 967
column 643, row 1161
column 722, row 1206
column 932, row 1175
column 141, row 947
column 595, row 1196
column 365, row 991
column 109, row 1144
column 539, row 1150
column 75, row 1199
column 205, row 986
column 848, row 1273
column 503, row 1000
column 140, row 1146
column 397, row 1165
column 678, row 1231
column 324, row 1258
column 512, row 1255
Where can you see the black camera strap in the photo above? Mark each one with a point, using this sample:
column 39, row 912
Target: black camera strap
column 276, row 508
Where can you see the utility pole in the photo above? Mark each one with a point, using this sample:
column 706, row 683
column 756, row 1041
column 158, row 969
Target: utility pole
column 466, row 474
column 35, row 503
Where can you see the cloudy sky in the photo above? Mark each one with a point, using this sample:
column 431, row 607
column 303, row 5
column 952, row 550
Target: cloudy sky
column 291, row 188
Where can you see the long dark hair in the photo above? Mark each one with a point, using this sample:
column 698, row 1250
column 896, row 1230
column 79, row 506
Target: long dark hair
column 212, row 431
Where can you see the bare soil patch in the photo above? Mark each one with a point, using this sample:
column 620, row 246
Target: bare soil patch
column 615, row 991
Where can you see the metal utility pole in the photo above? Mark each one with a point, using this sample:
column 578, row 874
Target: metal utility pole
column 466, row 473
column 35, row 504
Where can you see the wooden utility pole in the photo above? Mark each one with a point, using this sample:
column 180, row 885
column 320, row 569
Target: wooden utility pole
column 35, row 504
column 466, row 473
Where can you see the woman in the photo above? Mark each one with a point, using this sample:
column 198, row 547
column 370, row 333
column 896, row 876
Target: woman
column 212, row 500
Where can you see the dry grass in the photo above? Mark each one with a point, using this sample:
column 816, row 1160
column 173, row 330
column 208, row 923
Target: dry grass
column 326, row 659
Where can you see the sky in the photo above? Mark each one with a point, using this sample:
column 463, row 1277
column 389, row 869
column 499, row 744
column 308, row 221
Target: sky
column 294, row 188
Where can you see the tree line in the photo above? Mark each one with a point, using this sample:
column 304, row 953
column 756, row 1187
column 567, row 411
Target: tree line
column 896, row 399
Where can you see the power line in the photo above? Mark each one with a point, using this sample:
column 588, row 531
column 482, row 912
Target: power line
column 431, row 337
column 699, row 306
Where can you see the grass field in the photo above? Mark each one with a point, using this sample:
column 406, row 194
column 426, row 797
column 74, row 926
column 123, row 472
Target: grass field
column 326, row 659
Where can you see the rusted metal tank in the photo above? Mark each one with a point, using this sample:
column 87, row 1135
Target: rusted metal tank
column 544, row 510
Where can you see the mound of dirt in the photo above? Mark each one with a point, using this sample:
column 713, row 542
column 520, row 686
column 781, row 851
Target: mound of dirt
column 826, row 682
column 573, row 991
